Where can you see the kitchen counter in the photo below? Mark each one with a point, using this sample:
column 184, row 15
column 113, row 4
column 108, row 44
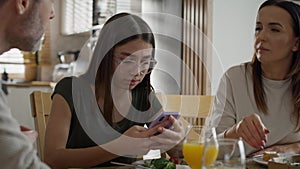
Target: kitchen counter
column 31, row 84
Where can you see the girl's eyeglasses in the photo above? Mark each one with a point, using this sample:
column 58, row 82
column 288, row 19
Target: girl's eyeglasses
column 129, row 64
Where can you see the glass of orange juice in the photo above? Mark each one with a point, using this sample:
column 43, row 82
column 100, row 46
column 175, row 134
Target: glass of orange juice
column 193, row 145
column 231, row 154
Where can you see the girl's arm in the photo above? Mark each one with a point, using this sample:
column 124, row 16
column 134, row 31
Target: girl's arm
column 56, row 155
column 134, row 141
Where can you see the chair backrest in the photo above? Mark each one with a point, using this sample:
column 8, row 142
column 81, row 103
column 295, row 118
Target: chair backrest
column 40, row 107
column 193, row 108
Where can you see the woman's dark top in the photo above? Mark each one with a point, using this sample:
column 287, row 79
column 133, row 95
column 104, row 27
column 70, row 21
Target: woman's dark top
column 77, row 136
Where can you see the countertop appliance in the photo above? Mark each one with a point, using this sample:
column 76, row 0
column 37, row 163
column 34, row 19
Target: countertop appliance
column 65, row 65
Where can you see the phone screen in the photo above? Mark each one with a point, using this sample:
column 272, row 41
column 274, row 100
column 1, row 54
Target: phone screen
column 162, row 117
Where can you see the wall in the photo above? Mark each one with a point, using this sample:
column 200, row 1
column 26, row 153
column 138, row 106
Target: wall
column 163, row 16
column 233, row 34
column 60, row 42
column 167, row 78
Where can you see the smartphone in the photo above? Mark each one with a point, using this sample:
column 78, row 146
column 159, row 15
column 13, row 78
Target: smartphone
column 162, row 117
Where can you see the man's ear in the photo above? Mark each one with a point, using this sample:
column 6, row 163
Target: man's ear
column 22, row 6
column 296, row 47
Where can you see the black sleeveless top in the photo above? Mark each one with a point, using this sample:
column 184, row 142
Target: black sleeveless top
column 78, row 138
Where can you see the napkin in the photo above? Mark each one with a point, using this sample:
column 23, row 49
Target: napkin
column 152, row 154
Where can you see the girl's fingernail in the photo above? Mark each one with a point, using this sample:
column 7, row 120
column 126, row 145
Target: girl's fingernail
column 262, row 147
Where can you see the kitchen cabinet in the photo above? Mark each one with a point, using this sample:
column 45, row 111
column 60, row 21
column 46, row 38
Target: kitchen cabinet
column 19, row 101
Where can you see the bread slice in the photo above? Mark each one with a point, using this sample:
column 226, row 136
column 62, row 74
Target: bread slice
column 267, row 155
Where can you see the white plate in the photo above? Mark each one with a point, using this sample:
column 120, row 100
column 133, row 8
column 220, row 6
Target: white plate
column 142, row 162
column 259, row 158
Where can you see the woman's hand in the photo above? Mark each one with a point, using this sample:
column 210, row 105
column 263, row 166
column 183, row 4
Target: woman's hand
column 252, row 131
column 293, row 148
column 169, row 138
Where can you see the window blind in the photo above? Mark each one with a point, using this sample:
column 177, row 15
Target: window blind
column 196, row 49
column 131, row 6
column 77, row 16
column 104, row 9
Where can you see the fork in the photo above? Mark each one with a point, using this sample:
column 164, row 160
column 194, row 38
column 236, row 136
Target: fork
column 129, row 165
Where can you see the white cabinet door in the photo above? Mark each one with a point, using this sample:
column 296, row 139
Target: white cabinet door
column 19, row 102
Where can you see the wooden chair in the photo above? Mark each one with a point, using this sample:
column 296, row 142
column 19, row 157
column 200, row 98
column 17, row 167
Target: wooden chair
column 40, row 107
column 193, row 108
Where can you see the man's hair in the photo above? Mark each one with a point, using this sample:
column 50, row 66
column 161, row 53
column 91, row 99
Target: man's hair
column 2, row 2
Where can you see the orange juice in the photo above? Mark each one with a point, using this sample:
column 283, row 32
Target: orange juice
column 211, row 155
column 225, row 168
column 192, row 153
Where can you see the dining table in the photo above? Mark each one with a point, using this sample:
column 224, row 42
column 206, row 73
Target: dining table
column 250, row 164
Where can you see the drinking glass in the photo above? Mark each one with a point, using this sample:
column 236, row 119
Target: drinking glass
column 193, row 145
column 231, row 155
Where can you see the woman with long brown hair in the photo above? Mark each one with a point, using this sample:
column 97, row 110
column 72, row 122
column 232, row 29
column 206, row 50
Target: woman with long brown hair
column 259, row 101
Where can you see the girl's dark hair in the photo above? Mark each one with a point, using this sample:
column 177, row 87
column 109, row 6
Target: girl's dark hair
column 294, row 73
column 119, row 30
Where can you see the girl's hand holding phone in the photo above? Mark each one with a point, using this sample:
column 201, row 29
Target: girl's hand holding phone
column 163, row 117
column 169, row 138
